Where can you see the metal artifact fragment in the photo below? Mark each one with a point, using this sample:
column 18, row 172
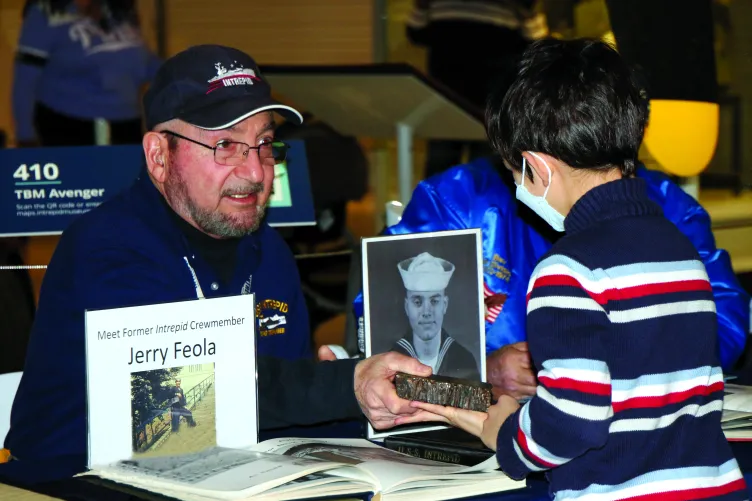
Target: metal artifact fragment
column 442, row 390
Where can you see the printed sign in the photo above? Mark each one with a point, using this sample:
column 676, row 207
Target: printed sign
column 171, row 378
column 47, row 188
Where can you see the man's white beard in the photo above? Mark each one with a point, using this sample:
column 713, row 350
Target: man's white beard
column 211, row 223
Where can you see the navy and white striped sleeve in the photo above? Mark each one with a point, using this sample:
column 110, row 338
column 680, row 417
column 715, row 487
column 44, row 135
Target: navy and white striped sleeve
column 571, row 411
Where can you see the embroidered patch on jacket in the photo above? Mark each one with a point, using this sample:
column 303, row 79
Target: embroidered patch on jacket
column 494, row 303
column 497, row 267
column 272, row 317
column 247, row 286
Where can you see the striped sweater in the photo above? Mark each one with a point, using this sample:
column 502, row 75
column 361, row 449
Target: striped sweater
column 621, row 325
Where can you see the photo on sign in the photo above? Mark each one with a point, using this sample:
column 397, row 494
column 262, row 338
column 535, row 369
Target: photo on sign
column 423, row 297
column 173, row 410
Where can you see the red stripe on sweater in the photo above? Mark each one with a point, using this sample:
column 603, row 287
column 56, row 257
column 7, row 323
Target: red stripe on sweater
column 522, row 440
column 670, row 398
column 626, row 293
column 573, row 384
column 690, row 494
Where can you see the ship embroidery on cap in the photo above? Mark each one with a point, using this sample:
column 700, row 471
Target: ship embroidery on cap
column 233, row 76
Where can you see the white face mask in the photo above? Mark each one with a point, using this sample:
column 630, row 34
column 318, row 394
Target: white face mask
column 539, row 204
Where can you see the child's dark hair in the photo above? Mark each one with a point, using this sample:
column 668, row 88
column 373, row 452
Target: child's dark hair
column 575, row 100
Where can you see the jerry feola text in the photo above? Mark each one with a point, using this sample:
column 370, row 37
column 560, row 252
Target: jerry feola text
column 179, row 351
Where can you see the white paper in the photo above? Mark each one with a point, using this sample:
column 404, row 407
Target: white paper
column 8, row 388
column 216, row 472
column 737, row 398
column 218, row 331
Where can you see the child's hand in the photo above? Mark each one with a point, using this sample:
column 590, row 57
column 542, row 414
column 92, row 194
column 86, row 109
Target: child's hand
column 470, row 421
column 497, row 414
column 484, row 425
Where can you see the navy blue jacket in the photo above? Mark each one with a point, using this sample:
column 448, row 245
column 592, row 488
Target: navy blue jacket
column 128, row 252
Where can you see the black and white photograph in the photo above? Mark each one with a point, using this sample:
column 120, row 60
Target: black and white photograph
column 423, row 297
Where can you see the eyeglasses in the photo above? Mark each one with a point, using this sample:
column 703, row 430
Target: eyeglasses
column 233, row 153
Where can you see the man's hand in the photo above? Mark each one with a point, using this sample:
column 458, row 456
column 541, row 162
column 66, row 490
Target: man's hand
column 484, row 425
column 374, row 387
column 510, row 372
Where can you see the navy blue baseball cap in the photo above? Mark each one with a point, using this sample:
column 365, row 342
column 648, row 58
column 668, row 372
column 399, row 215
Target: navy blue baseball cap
column 212, row 87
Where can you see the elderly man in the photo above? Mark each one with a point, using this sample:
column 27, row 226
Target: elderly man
column 191, row 226
column 426, row 278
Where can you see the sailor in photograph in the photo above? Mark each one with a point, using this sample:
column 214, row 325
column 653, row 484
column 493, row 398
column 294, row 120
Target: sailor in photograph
column 425, row 278
column 179, row 409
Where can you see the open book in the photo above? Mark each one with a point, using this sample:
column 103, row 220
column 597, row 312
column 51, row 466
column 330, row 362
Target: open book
column 737, row 412
column 299, row 468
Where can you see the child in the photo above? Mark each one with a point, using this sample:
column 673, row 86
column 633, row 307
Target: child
column 620, row 314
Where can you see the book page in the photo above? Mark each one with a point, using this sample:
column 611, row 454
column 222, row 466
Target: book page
column 737, row 398
column 389, row 467
column 457, row 491
column 729, row 416
column 319, row 483
column 217, row 472
column 738, row 435
column 732, row 425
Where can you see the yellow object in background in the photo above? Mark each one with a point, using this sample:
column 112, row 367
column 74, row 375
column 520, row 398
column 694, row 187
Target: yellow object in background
column 4, row 456
column 682, row 135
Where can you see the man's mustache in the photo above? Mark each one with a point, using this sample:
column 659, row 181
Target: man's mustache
column 243, row 190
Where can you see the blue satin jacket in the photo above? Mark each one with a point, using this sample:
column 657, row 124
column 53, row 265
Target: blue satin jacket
column 474, row 195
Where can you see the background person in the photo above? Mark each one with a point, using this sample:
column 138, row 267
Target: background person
column 470, row 46
column 79, row 62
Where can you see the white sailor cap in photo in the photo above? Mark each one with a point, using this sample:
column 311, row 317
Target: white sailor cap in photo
column 425, row 273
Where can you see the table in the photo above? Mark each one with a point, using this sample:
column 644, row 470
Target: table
column 9, row 493
column 81, row 490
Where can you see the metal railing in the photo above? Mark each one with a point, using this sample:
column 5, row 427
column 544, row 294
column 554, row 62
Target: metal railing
column 198, row 392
